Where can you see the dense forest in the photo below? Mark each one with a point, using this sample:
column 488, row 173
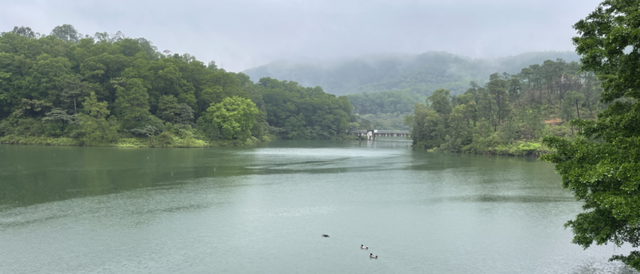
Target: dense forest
column 72, row 89
column 107, row 89
column 383, row 88
column 510, row 113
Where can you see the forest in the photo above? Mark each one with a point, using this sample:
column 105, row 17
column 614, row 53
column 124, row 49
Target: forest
column 66, row 88
column 383, row 88
column 510, row 114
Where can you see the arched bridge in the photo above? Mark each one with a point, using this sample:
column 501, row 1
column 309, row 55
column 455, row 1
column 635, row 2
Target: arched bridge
column 371, row 134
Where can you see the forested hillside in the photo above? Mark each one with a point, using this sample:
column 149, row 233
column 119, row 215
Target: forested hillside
column 383, row 88
column 509, row 114
column 69, row 89
column 418, row 74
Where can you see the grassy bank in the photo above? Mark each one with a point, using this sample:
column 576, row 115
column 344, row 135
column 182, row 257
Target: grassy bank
column 160, row 141
column 135, row 142
column 517, row 148
column 39, row 140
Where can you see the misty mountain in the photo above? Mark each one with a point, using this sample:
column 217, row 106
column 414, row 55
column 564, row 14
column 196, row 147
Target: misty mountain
column 421, row 73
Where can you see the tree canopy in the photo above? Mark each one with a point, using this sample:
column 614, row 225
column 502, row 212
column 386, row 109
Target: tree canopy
column 233, row 117
column 71, row 85
column 509, row 113
column 601, row 166
column 304, row 113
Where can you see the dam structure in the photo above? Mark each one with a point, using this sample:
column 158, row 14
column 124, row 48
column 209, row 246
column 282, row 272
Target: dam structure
column 371, row 134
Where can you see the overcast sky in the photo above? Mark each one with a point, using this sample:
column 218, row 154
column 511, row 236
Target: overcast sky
column 242, row 34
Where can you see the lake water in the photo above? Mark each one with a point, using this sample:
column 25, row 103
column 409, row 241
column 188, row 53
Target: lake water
column 263, row 210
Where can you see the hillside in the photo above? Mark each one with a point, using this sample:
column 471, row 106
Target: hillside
column 110, row 90
column 422, row 73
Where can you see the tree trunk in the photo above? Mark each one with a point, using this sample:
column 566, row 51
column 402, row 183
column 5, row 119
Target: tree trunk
column 577, row 109
column 572, row 131
column 540, row 95
column 499, row 114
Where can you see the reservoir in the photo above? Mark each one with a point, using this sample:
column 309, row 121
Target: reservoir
column 263, row 210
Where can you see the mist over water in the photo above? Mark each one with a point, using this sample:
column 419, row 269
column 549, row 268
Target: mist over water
column 262, row 210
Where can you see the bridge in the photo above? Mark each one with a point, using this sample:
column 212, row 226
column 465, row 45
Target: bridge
column 371, row 134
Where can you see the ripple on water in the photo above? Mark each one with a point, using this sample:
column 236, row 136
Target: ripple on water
column 263, row 210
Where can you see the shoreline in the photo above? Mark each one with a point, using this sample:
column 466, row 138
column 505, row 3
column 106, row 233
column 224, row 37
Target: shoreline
column 148, row 142
column 197, row 143
column 521, row 148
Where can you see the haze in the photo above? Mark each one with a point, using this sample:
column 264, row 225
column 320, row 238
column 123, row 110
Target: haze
column 242, row 34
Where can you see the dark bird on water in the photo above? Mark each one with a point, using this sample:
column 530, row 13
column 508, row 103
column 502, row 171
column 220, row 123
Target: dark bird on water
column 373, row 256
column 325, row 235
column 363, row 247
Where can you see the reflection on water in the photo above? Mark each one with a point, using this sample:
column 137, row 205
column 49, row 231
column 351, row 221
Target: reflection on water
column 262, row 210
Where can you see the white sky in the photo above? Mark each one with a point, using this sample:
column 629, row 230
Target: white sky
column 240, row 34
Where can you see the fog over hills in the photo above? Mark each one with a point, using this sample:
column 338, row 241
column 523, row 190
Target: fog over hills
column 424, row 72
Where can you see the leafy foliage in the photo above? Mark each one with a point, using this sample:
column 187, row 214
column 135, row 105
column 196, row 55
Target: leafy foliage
column 601, row 166
column 94, row 125
column 105, row 88
column 132, row 101
column 384, row 88
column 507, row 114
column 233, row 117
column 304, row 113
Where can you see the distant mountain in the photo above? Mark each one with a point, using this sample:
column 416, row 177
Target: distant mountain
column 417, row 72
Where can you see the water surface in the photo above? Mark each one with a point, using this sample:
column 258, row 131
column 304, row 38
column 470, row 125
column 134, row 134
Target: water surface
column 263, row 209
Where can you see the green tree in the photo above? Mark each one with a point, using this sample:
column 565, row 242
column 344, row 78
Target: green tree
column 31, row 108
column 185, row 115
column 26, row 32
column 515, row 88
column 48, row 76
column 440, row 101
column 567, row 112
column 56, row 120
column 531, row 119
column 210, row 95
column 234, row 117
column 601, row 166
column 93, row 123
column 487, row 107
column 498, row 88
column 66, row 33
column 592, row 92
column 5, row 94
column 427, row 128
column 132, row 102
column 460, row 131
column 74, row 89
column 167, row 108
column 574, row 100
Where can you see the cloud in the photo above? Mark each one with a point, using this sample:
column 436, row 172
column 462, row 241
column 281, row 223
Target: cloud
column 244, row 34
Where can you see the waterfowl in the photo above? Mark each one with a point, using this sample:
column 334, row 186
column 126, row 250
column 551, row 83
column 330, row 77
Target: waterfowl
column 373, row 256
column 363, row 247
column 325, row 235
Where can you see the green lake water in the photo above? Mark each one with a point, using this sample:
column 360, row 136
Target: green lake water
column 263, row 210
